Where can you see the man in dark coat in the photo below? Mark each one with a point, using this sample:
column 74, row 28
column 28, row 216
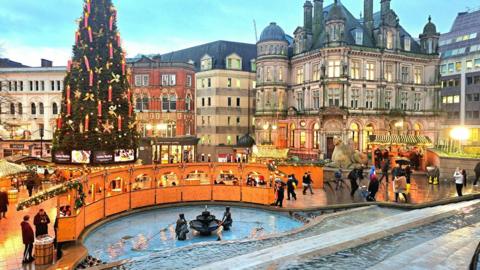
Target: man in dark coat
column 378, row 157
column 28, row 239
column 477, row 173
column 30, row 184
column 353, row 176
column 280, row 193
column 307, row 183
column 373, row 188
column 3, row 203
column 41, row 222
column 291, row 184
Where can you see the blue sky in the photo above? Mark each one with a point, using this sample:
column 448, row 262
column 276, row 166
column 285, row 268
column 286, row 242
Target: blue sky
column 32, row 29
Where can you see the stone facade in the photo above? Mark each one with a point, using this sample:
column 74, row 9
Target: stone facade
column 345, row 77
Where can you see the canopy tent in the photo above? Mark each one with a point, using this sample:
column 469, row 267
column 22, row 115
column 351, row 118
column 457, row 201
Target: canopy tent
column 7, row 168
column 400, row 139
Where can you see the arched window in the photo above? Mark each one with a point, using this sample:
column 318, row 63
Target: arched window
column 165, row 103
column 354, row 129
column 316, row 136
column 390, row 40
column 138, row 103
column 54, row 108
column 188, row 103
column 367, row 131
column 20, row 108
column 33, row 108
column 417, row 128
column 292, row 135
column 40, row 106
column 145, row 103
column 173, row 102
column 12, row 108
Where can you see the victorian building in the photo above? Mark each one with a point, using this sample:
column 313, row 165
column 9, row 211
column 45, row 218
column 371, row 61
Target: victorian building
column 164, row 94
column 460, row 70
column 29, row 105
column 347, row 77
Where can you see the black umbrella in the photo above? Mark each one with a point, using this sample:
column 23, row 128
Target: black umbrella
column 403, row 161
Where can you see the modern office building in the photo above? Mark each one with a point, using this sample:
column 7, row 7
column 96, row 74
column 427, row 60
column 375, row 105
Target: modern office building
column 225, row 91
column 346, row 77
column 164, row 94
column 460, row 71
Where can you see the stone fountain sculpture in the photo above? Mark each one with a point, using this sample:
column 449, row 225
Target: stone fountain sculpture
column 345, row 156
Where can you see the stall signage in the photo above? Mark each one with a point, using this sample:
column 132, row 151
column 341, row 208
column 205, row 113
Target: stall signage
column 102, row 157
column 61, row 157
column 17, row 146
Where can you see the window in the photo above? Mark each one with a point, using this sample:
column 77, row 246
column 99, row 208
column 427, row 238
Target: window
column 280, row 74
column 169, row 79
column 476, row 62
column 334, row 97
column 238, row 120
column 417, row 102
column 300, row 101
column 59, row 85
column 388, row 99
column 229, row 101
column 316, row 100
column 40, row 106
column 173, row 102
column 300, row 78
column 316, row 136
column 52, row 85
column 451, row 67
column 443, row 69
column 303, row 139
column 229, row 140
column 36, row 86
column 33, row 109
column 238, row 102
column 209, row 101
column 369, row 98
column 54, row 108
column 355, row 70
column 228, row 120
column 359, row 37
column 389, row 73
column 31, row 85
column 469, row 64
column 456, row 99
column 334, row 68
column 370, row 71
column 469, row 97
column 418, row 76
column 12, row 108
column 165, row 103
column 253, row 65
column 208, row 120
column 238, row 83
column 209, row 82
column 404, row 101
column 476, row 97
column 188, row 103
column 458, row 66
column 145, row 103
column 234, row 63
column 355, row 96
column 203, row 102
column 229, row 82
column 189, row 80
column 43, row 85
column 20, row 108
column 316, row 72
column 269, row 74
column 407, row 44
column 292, row 135
column 206, row 63
column 405, row 75
column 390, row 40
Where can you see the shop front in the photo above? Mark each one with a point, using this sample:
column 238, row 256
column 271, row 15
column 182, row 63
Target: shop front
column 169, row 150
column 34, row 148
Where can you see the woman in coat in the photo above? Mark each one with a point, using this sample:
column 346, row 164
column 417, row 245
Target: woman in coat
column 458, row 176
column 400, row 187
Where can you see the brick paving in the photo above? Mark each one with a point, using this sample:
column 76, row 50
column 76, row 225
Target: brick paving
column 11, row 247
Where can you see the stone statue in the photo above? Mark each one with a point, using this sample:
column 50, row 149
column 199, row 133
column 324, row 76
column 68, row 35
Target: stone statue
column 181, row 229
column 345, row 156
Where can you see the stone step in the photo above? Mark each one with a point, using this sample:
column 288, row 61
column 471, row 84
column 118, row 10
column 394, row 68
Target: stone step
column 334, row 241
column 451, row 251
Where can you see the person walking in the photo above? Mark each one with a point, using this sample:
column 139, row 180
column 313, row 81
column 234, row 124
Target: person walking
column 464, row 174
column 408, row 176
column 378, row 157
column 457, row 175
column 385, row 169
column 280, row 193
column 400, row 186
column 307, row 183
column 373, row 188
column 3, row 203
column 291, row 185
column 28, row 239
column 477, row 174
column 30, row 184
column 41, row 221
column 353, row 176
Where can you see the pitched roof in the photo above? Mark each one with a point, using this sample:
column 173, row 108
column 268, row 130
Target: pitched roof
column 218, row 50
column 7, row 63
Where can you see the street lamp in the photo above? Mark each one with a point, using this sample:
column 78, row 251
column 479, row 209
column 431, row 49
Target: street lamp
column 461, row 134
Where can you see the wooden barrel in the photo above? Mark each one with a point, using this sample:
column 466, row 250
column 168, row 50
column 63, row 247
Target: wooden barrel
column 43, row 250
column 12, row 195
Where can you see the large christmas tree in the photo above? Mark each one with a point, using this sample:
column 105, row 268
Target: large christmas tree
column 97, row 109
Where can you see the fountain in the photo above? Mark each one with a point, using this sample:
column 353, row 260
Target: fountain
column 205, row 223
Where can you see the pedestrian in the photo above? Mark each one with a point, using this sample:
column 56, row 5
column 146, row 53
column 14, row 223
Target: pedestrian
column 56, row 244
column 457, row 175
column 307, row 183
column 353, row 176
column 400, row 186
column 3, row 203
column 378, row 157
column 408, row 176
column 373, row 188
column 280, row 192
column 28, row 239
column 385, row 169
column 477, row 174
column 464, row 174
column 41, row 222
column 45, row 174
column 30, row 184
column 291, row 185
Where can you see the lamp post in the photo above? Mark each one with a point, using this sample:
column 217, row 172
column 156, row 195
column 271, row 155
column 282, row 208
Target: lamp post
column 460, row 133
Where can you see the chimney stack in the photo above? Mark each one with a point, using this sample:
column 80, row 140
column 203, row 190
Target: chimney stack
column 46, row 63
column 307, row 16
column 318, row 20
column 368, row 17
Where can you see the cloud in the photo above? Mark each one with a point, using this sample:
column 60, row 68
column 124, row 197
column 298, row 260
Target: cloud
column 134, row 48
column 31, row 55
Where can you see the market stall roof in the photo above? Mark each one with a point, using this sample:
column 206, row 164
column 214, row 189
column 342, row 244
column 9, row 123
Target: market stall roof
column 400, row 139
column 270, row 152
column 28, row 160
column 7, row 168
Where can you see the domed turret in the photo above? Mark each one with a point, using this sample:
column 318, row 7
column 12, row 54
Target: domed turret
column 246, row 141
column 430, row 28
column 336, row 13
column 335, row 26
column 272, row 32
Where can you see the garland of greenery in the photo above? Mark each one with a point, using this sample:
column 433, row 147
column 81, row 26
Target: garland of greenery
column 53, row 192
